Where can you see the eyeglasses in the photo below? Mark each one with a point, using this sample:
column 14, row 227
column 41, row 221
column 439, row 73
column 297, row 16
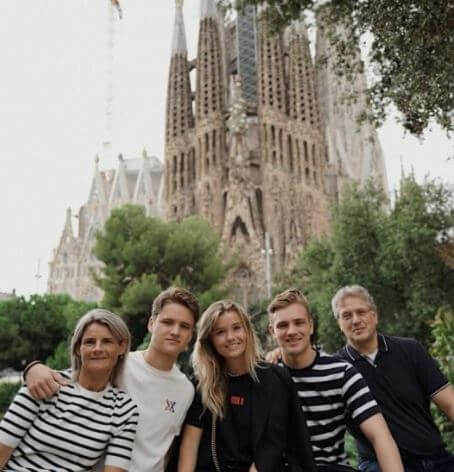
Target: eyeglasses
column 348, row 315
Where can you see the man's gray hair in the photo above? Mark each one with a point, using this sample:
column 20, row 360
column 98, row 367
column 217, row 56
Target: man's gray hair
column 351, row 291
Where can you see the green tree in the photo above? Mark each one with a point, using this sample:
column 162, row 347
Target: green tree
column 144, row 255
column 7, row 392
column 411, row 51
column 32, row 328
column 443, row 350
column 395, row 253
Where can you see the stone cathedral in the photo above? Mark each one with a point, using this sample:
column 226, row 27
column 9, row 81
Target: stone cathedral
column 258, row 141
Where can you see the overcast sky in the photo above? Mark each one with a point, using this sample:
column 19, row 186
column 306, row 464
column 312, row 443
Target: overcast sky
column 52, row 115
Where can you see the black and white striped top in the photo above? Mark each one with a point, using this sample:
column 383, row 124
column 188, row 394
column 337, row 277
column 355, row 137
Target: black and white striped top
column 332, row 392
column 70, row 431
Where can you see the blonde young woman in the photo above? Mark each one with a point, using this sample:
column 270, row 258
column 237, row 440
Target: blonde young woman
column 85, row 419
column 244, row 417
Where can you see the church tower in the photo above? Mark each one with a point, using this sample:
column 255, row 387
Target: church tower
column 355, row 153
column 292, row 143
column 254, row 159
column 180, row 162
column 210, row 118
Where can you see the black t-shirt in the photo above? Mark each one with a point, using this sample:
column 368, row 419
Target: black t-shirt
column 233, row 432
column 402, row 379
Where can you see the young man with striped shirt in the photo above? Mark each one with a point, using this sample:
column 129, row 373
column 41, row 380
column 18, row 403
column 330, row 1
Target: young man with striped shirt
column 331, row 392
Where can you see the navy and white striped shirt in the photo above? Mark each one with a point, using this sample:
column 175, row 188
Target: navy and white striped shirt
column 332, row 393
column 71, row 430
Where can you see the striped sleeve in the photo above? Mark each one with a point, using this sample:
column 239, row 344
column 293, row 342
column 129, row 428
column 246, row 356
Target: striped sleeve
column 119, row 449
column 360, row 403
column 18, row 419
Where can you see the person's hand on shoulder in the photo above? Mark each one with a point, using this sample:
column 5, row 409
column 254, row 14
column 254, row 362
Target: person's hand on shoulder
column 274, row 355
column 43, row 382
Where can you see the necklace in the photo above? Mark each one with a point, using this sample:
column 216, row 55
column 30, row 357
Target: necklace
column 235, row 374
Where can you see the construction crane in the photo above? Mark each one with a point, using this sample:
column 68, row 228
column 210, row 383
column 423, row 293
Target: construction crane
column 114, row 6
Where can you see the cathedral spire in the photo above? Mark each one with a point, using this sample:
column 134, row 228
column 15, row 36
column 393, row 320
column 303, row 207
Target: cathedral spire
column 179, row 117
column 303, row 104
column 208, row 9
column 210, row 74
column 68, row 230
column 179, row 35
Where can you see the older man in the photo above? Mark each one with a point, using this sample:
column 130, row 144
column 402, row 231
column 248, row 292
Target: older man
column 402, row 377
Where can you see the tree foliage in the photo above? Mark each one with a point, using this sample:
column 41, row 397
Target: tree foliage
column 144, row 255
column 443, row 350
column 395, row 253
column 411, row 52
column 31, row 329
column 7, row 392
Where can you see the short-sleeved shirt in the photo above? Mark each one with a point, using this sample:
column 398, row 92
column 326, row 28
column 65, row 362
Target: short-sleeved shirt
column 233, row 432
column 71, row 430
column 332, row 394
column 403, row 379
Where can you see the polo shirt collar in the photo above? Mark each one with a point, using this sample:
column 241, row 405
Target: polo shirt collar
column 355, row 355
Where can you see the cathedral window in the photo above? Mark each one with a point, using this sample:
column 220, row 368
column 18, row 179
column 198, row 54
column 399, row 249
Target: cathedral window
column 182, row 170
column 290, row 152
column 306, row 157
column 298, row 156
column 214, row 146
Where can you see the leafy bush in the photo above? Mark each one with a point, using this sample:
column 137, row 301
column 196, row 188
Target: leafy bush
column 443, row 350
column 59, row 360
column 7, row 392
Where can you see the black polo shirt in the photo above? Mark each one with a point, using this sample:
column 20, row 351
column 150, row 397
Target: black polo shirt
column 403, row 378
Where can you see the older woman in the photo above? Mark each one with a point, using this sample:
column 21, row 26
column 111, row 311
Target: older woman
column 86, row 419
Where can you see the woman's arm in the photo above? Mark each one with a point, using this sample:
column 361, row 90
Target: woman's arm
column 5, row 454
column 110, row 468
column 189, row 448
column 376, row 430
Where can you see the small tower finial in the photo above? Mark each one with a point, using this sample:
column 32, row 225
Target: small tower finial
column 208, row 9
column 179, row 36
column 402, row 170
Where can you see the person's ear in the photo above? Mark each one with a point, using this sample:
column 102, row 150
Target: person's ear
column 122, row 350
column 150, row 324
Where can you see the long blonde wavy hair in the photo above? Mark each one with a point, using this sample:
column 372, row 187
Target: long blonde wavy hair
column 209, row 366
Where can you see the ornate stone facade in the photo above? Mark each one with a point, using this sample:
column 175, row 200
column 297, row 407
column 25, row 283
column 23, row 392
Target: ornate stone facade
column 248, row 145
column 258, row 156
column 134, row 181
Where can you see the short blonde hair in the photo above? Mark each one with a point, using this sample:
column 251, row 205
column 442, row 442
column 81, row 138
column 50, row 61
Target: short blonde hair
column 114, row 324
column 286, row 298
column 209, row 366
